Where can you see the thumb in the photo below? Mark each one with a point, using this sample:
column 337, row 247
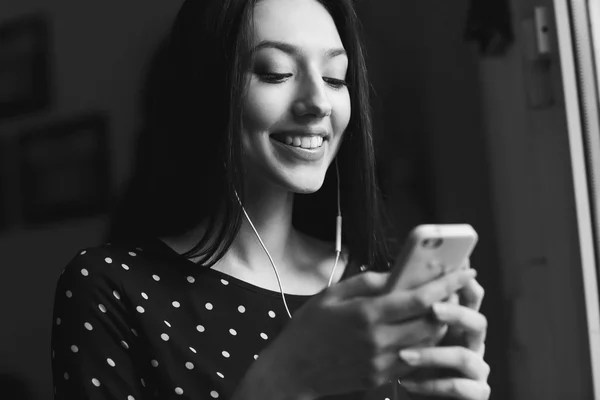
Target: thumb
column 362, row 285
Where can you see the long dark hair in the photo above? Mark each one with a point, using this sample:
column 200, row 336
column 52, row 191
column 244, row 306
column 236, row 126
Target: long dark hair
column 190, row 157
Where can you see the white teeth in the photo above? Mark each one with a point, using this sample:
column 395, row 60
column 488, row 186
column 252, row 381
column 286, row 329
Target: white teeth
column 304, row 142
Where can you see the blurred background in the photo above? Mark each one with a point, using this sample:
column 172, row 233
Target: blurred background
column 474, row 126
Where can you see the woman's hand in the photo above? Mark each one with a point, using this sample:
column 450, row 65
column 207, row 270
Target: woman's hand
column 461, row 350
column 349, row 336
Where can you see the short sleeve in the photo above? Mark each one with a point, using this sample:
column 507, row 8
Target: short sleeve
column 92, row 341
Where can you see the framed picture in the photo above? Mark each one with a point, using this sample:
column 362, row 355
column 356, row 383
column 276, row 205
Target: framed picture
column 65, row 170
column 24, row 75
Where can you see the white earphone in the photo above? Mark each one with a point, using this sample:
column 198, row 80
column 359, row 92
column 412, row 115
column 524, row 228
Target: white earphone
column 338, row 240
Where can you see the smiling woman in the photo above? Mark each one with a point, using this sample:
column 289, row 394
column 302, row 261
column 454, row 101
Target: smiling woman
column 255, row 101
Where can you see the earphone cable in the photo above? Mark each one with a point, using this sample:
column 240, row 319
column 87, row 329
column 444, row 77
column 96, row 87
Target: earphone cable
column 338, row 240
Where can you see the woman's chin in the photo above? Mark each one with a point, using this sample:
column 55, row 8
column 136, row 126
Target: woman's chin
column 307, row 186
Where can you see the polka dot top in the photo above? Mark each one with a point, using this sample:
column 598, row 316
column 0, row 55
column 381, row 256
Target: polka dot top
column 142, row 322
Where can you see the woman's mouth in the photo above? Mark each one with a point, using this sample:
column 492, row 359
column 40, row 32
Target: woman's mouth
column 304, row 142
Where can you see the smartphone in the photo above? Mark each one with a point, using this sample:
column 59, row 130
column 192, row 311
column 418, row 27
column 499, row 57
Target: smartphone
column 432, row 251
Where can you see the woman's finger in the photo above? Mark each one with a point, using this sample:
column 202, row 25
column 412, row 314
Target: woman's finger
column 456, row 388
column 399, row 305
column 456, row 358
column 419, row 332
column 471, row 323
column 471, row 295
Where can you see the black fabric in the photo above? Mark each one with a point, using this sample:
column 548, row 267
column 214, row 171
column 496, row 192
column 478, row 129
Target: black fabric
column 140, row 321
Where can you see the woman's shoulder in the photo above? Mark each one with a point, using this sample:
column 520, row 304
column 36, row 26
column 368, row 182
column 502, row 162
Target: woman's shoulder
column 100, row 264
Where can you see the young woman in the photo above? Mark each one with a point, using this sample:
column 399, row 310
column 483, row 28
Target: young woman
column 224, row 279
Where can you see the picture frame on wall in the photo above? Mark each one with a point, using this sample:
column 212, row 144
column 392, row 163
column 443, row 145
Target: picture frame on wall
column 24, row 66
column 64, row 170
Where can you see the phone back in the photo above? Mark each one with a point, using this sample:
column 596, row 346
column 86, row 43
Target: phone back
column 432, row 250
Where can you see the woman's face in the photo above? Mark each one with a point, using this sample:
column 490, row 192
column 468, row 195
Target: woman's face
column 297, row 106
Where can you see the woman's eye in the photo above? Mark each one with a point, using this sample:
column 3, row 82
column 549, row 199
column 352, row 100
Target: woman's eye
column 335, row 83
column 274, row 78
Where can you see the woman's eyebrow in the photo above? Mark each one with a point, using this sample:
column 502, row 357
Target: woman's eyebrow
column 295, row 51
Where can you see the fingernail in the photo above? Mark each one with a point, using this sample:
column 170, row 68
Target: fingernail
column 440, row 309
column 410, row 356
column 472, row 272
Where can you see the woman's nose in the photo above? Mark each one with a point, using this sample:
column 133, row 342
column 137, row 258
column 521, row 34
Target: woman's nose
column 312, row 99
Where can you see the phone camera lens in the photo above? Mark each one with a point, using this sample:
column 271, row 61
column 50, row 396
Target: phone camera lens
column 432, row 243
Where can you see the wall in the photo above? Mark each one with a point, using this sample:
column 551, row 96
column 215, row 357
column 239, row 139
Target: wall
column 98, row 52
column 536, row 228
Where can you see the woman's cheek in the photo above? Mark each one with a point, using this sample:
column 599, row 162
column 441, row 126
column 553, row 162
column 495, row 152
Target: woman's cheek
column 342, row 111
column 264, row 107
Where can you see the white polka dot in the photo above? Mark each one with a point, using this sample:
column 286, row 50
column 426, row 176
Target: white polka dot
column 134, row 332
column 84, row 272
column 74, row 349
column 156, row 278
column 139, row 249
column 200, row 328
column 264, row 336
column 224, row 282
column 130, row 397
column 387, row 398
column 58, row 321
column 272, row 314
column 256, row 356
column 225, row 354
column 214, row 394
column 178, row 390
column 192, row 349
column 220, row 375
column 108, row 260
column 154, row 363
column 69, row 294
column 102, row 308
column 176, row 304
column 140, row 309
column 209, row 306
column 124, row 344
column 125, row 267
column 242, row 309
column 164, row 337
column 110, row 362
column 96, row 382
column 117, row 295
column 189, row 365
column 66, row 375
column 83, row 252
column 144, row 295
column 88, row 326
column 132, row 254
column 233, row 332
column 143, row 382
column 191, row 279
column 167, row 324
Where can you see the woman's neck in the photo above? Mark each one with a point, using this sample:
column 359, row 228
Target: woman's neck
column 271, row 215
